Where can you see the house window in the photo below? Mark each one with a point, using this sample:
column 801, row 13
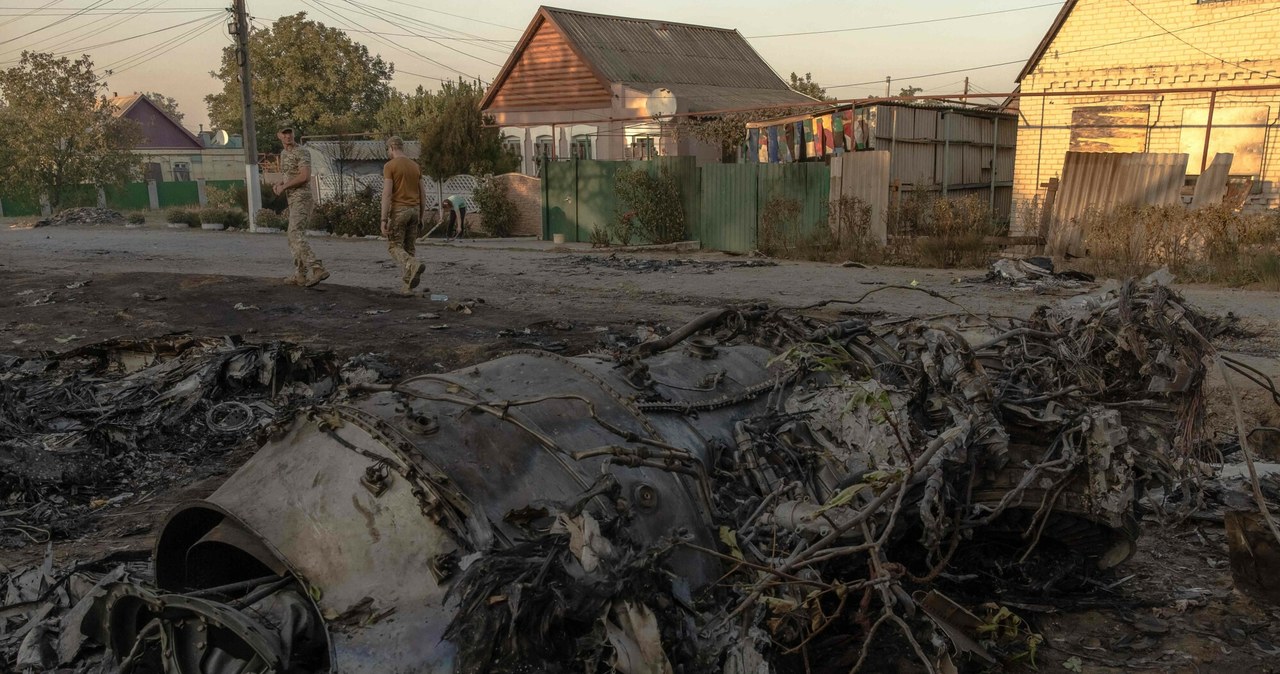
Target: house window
column 514, row 146
column 181, row 171
column 644, row 147
column 544, row 146
column 581, row 148
column 152, row 171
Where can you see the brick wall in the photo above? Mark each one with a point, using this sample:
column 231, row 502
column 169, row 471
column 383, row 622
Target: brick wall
column 526, row 192
column 1108, row 44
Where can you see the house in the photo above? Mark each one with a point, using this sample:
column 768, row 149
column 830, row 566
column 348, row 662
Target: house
column 1194, row 61
column 170, row 152
column 588, row 86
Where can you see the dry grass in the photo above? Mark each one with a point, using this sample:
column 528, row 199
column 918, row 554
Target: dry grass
column 1214, row 245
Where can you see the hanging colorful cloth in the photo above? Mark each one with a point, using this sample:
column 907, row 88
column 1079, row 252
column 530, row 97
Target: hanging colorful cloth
column 819, row 138
column 837, row 131
column 786, row 137
column 810, row 149
column 762, row 148
column 753, row 146
column 850, row 143
column 773, row 144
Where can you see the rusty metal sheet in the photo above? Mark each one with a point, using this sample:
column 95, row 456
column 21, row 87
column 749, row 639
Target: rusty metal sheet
column 1240, row 131
column 1212, row 186
column 864, row 176
column 1110, row 128
column 1103, row 181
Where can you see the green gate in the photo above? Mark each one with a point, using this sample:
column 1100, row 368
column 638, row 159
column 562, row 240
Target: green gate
column 560, row 199
column 729, row 207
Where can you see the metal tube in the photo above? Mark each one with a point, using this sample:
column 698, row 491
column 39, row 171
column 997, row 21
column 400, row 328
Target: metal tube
column 995, row 153
column 1208, row 130
column 946, row 151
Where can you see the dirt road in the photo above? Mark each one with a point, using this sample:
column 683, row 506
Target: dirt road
column 63, row 287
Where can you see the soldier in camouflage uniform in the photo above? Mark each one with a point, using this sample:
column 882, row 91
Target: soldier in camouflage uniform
column 295, row 164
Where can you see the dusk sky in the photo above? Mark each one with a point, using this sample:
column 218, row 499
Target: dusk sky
column 471, row 37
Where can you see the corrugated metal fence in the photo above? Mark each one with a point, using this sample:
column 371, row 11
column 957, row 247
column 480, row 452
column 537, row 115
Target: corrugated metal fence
column 723, row 203
column 1103, row 181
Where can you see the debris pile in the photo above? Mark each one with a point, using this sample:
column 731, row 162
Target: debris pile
column 107, row 421
column 760, row 491
column 1036, row 274
column 647, row 265
column 83, row 216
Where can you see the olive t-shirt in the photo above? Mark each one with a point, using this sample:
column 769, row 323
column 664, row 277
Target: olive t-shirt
column 406, row 180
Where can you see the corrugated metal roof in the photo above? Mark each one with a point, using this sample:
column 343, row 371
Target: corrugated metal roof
column 706, row 68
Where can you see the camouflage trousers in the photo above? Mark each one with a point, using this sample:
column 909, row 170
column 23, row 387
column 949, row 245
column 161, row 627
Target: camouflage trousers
column 403, row 229
column 300, row 206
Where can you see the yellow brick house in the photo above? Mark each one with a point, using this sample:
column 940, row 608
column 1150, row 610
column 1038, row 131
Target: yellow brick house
column 1153, row 76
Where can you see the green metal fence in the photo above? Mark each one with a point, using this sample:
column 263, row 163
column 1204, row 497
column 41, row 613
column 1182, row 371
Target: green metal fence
column 129, row 197
column 723, row 203
column 178, row 194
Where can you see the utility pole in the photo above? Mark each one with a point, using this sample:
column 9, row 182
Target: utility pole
column 966, row 86
column 888, row 81
column 253, row 186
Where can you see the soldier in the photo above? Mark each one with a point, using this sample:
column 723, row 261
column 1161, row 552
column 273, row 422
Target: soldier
column 295, row 164
column 402, row 204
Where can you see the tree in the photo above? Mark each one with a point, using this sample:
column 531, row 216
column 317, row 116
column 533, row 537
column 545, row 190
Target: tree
column 407, row 114
column 59, row 132
column 305, row 72
column 910, row 90
column 167, row 103
column 459, row 139
column 805, row 85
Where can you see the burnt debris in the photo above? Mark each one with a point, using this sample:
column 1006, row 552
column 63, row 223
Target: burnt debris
column 763, row 490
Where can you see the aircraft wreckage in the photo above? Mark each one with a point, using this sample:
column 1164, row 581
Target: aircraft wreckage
column 759, row 491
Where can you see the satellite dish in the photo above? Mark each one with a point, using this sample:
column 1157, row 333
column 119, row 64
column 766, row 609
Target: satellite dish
column 662, row 102
column 221, row 138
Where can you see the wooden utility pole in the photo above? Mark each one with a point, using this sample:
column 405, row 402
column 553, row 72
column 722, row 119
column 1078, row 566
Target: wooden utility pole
column 888, row 81
column 966, row 86
column 253, row 185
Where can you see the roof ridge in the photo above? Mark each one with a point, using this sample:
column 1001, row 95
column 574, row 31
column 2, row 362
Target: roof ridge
column 561, row 10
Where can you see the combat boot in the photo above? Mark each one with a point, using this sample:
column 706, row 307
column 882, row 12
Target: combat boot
column 318, row 274
column 297, row 279
column 414, row 276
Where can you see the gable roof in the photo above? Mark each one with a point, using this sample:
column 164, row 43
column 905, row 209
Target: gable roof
column 1048, row 39
column 706, row 68
column 123, row 105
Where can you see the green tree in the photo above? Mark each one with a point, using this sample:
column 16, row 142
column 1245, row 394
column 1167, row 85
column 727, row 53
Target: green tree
column 407, row 114
column 909, row 91
column 305, row 72
column 167, row 103
column 805, row 85
column 459, row 139
column 58, row 131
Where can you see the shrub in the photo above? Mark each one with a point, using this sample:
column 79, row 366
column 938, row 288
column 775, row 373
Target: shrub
column 182, row 216
column 272, row 219
column 353, row 214
column 655, row 200
column 500, row 214
column 779, row 227
column 210, row 215
column 237, row 196
column 1212, row 244
column 136, row 219
column 951, row 232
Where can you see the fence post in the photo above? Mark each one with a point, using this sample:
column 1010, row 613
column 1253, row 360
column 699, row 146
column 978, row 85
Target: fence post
column 153, row 194
column 1, row 208
column 201, row 195
column 102, row 198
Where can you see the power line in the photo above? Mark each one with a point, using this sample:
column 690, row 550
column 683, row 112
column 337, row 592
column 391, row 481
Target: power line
column 374, row 13
column 907, row 23
column 69, row 12
column 30, row 13
column 1064, row 53
column 76, row 34
column 146, row 34
column 130, row 62
column 457, row 39
column 1180, row 39
column 51, row 25
column 457, row 16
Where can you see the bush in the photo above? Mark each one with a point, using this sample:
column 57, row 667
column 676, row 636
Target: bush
column 211, row 215
column 655, row 200
column 272, row 219
column 353, row 214
column 1212, row 244
column 779, row 227
column 237, row 196
column 500, row 214
column 948, row 232
column 182, row 216
column 136, row 219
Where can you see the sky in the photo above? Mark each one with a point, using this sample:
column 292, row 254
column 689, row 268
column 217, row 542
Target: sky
column 170, row 46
